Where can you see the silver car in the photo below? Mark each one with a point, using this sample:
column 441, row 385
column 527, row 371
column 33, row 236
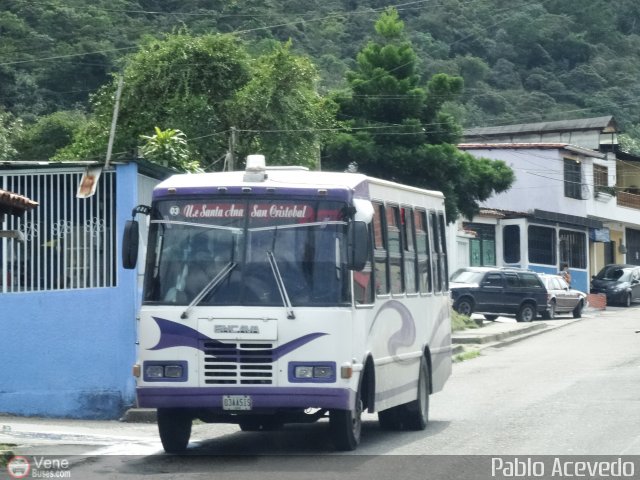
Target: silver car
column 561, row 297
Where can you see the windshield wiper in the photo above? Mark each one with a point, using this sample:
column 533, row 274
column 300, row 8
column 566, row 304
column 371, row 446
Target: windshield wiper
column 209, row 287
column 280, row 284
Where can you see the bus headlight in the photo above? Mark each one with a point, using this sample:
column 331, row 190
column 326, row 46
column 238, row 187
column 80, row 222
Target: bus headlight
column 173, row 371
column 154, row 371
column 165, row 371
column 322, row 372
column 304, row 371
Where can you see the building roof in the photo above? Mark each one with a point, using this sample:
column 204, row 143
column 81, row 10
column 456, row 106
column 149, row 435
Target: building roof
column 605, row 124
column 14, row 204
column 537, row 145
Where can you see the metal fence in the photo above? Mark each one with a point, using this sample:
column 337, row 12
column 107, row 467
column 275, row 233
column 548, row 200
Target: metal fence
column 69, row 242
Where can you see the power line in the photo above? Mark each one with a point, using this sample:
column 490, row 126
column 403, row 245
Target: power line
column 71, row 55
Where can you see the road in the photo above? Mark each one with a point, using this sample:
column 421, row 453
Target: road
column 571, row 391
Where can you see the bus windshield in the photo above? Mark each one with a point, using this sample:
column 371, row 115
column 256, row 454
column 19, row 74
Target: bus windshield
column 217, row 252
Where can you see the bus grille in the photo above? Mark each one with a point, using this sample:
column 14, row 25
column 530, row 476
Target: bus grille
column 238, row 363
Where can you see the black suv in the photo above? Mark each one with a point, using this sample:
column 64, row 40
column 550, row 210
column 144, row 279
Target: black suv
column 494, row 291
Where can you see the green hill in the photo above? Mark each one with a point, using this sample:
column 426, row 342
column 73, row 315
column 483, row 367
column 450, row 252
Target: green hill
column 522, row 61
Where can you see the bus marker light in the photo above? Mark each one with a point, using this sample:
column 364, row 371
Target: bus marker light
column 136, row 370
column 346, row 371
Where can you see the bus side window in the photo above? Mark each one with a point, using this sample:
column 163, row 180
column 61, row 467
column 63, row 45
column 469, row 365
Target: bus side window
column 444, row 267
column 364, row 293
column 395, row 248
column 423, row 251
column 435, row 253
column 380, row 250
column 410, row 260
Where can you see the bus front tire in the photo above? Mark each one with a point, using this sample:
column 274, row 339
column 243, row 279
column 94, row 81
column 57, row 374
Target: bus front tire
column 345, row 426
column 174, row 426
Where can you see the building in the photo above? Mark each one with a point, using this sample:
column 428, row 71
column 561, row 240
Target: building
column 68, row 307
column 575, row 199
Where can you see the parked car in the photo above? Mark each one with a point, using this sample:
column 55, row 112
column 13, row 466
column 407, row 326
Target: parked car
column 497, row 291
column 620, row 283
column 561, row 298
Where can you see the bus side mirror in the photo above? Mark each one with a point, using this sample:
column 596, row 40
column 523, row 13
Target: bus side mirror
column 358, row 245
column 130, row 245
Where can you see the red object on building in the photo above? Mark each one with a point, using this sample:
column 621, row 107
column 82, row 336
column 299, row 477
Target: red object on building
column 597, row 300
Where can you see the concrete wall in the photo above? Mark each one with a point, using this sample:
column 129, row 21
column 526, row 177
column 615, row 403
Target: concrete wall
column 69, row 353
column 539, row 181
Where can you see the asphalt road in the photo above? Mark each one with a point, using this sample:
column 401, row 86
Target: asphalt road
column 571, row 391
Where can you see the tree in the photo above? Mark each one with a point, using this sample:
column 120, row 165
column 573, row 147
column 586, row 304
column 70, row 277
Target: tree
column 279, row 112
column 182, row 83
column 48, row 134
column 9, row 129
column 399, row 130
column 168, row 148
column 205, row 85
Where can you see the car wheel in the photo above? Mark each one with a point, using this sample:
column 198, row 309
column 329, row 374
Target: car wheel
column 627, row 300
column 577, row 312
column 464, row 306
column 526, row 313
column 550, row 314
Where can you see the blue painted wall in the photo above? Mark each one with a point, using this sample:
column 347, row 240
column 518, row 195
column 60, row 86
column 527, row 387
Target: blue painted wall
column 69, row 353
column 579, row 278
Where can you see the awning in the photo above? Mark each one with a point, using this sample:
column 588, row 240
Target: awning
column 572, row 220
column 14, row 204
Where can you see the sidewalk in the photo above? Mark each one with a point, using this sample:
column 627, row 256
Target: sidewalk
column 505, row 331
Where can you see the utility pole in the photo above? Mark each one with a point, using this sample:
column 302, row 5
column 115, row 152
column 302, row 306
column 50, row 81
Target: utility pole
column 89, row 180
column 114, row 121
column 232, row 148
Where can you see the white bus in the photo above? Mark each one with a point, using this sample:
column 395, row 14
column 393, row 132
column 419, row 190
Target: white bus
column 281, row 295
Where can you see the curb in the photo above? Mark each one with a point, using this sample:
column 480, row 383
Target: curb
column 140, row 415
column 507, row 338
column 478, row 338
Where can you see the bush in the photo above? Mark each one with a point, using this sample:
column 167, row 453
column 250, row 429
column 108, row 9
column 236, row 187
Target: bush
column 461, row 322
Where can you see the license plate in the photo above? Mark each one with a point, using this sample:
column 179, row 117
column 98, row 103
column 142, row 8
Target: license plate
column 236, row 402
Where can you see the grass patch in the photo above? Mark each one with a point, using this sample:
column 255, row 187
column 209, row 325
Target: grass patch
column 461, row 357
column 461, row 322
column 5, row 453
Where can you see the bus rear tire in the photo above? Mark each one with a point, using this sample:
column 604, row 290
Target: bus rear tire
column 390, row 419
column 174, row 426
column 345, row 426
column 416, row 413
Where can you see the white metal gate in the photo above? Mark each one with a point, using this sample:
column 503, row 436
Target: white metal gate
column 69, row 242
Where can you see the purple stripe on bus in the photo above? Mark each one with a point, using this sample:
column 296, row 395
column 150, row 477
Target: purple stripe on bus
column 392, row 392
column 173, row 334
column 267, row 397
column 336, row 193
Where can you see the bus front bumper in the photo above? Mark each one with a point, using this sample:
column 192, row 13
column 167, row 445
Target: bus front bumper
column 267, row 398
